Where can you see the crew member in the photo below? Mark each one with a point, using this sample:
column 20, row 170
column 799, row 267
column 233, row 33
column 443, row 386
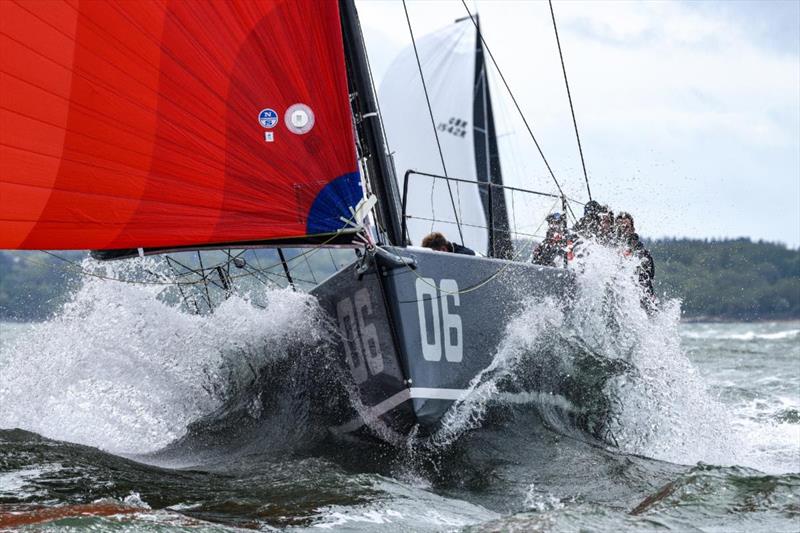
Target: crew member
column 589, row 223
column 556, row 248
column 632, row 246
column 605, row 225
column 437, row 241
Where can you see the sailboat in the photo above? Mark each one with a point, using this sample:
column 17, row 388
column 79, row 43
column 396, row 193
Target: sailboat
column 135, row 129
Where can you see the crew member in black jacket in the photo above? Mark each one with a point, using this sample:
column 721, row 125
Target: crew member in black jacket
column 556, row 248
column 437, row 241
column 631, row 245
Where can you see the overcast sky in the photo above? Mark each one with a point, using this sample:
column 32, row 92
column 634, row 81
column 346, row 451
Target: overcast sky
column 689, row 112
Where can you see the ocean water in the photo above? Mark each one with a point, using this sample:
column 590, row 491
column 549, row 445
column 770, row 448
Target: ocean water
column 116, row 415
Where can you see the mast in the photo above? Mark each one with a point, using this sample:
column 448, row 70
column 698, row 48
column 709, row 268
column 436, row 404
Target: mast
column 487, row 160
column 378, row 165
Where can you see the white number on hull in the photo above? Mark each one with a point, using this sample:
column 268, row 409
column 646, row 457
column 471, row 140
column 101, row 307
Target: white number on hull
column 451, row 322
column 361, row 345
column 449, row 328
column 431, row 347
column 352, row 341
column 369, row 333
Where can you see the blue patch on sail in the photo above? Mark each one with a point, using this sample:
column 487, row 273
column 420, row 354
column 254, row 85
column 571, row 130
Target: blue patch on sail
column 333, row 202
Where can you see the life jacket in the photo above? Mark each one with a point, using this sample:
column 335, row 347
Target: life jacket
column 570, row 254
column 564, row 244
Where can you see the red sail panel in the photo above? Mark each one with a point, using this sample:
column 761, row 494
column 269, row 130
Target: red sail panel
column 165, row 124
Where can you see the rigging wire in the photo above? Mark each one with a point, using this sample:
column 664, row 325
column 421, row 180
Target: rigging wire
column 251, row 272
column 263, row 277
column 433, row 121
column 310, row 270
column 205, row 285
column 513, row 99
column 477, row 226
column 78, row 269
column 569, row 96
column 333, row 261
column 514, row 260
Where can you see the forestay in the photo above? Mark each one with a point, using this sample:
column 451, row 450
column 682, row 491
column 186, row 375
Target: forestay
column 448, row 63
column 165, row 124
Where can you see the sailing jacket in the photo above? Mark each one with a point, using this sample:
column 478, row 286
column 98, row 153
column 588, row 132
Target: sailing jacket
column 458, row 249
column 555, row 250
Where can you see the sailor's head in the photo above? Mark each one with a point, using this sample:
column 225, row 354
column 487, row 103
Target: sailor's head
column 556, row 220
column 624, row 224
column 436, row 241
column 606, row 219
column 591, row 208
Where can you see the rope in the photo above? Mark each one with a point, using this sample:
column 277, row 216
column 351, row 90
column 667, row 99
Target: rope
column 513, row 99
column 433, row 121
column 569, row 96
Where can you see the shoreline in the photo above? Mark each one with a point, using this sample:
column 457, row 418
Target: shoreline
column 729, row 320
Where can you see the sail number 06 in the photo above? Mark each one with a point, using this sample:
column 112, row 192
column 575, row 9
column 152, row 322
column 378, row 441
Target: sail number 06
column 361, row 345
column 433, row 329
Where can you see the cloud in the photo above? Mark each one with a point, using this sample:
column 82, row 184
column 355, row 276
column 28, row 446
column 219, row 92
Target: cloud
column 690, row 111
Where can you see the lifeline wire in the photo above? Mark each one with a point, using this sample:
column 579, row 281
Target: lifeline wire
column 569, row 96
column 481, row 283
column 433, row 121
column 513, row 99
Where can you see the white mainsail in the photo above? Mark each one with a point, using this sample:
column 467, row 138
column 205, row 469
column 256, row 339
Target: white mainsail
column 448, row 64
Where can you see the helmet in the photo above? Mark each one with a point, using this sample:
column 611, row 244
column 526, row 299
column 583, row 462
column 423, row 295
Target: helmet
column 555, row 218
column 592, row 207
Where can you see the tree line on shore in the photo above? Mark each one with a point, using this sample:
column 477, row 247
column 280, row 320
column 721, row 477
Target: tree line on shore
column 725, row 279
column 732, row 279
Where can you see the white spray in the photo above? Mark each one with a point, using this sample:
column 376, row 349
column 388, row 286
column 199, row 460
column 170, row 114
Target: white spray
column 124, row 371
column 660, row 408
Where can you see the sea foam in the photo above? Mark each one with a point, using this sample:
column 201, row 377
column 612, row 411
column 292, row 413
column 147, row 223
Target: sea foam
column 659, row 406
column 121, row 369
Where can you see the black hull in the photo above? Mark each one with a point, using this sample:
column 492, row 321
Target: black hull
column 413, row 340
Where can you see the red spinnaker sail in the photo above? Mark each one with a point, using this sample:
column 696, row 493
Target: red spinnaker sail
column 128, row 124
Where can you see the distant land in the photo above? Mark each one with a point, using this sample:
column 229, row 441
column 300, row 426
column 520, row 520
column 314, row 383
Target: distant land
column 726, row 279
column 729, row 279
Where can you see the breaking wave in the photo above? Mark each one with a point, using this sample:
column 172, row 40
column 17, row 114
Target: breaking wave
column 661, row 407
column 123, row 369
column 602, row 367
column 126, row 369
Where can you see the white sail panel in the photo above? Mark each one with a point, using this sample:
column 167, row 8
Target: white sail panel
column 448, row 64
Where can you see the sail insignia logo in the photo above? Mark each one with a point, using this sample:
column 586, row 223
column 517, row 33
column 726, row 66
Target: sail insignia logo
column 454, row 126
column 299, row 119
column 268, row 118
